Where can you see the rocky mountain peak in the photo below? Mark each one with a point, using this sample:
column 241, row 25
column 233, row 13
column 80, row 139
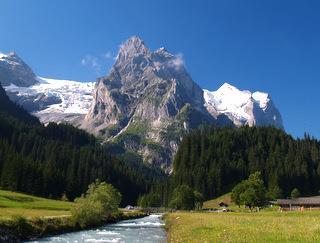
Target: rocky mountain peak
column 13, row 70
column 147, row 102
column 131, row 48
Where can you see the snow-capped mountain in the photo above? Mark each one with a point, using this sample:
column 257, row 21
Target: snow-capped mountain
column 243, row 107
column 54, row 100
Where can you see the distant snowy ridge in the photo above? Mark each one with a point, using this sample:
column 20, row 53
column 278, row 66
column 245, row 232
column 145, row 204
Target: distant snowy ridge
column 242, row 107
column 68, row 97
column 56, row 98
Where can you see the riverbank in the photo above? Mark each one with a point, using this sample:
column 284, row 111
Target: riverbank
column 243, row 227
column 21, row 228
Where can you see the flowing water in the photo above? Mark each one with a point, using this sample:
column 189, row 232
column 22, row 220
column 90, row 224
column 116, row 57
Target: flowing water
column 147, row 229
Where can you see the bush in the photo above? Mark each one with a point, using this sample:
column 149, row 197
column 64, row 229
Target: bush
column 21, row 225
column 99, row 202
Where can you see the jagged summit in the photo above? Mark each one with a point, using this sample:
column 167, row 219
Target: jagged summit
column 134, row 46
column 134, row 40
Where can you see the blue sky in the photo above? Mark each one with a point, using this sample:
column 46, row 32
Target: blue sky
column 272, row 46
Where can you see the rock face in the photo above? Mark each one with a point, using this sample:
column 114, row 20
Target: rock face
column 147, row 102
column 243, row 107
column 13, row 70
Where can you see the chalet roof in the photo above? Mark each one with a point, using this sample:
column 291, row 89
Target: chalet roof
column 299, row 201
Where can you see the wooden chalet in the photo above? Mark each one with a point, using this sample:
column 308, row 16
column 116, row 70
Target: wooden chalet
column 301, row 203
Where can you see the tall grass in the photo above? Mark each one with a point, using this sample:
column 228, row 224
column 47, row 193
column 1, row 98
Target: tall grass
column 244, row 227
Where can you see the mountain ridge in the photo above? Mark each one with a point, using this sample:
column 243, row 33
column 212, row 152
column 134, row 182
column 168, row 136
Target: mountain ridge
column 146, row 103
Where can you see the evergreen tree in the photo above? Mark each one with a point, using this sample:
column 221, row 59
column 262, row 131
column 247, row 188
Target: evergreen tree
column 295, row 193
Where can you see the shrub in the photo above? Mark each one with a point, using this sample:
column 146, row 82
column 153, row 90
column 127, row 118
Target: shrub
column 99, row 202
column 21, row 225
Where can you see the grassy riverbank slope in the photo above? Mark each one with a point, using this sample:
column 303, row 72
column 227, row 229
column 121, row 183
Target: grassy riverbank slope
column 25, row 217
column 243, row 227
column 13, row 203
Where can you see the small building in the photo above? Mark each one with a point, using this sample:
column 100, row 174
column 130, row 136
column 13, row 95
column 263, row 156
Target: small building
column 301, row 203
column 223, row 205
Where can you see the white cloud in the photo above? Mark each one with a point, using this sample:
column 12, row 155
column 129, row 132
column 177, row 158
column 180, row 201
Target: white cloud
column 97, row 63
column 91, row 62
column 177, row 62
column 107, row 55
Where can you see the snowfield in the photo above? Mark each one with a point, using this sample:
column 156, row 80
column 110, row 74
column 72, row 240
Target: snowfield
column 76, row 97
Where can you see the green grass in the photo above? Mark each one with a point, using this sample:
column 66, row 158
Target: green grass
column 244, row 227
column 13, row 203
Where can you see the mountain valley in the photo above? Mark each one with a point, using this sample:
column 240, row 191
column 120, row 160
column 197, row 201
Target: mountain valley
column 146, row 103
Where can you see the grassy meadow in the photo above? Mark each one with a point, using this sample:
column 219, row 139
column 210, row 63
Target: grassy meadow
column 13, row 203
column 243, row 227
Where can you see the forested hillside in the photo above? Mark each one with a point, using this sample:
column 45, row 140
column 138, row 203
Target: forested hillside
column 60, row 159
column 212, row 160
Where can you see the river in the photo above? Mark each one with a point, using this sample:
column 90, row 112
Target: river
column 147, row 229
